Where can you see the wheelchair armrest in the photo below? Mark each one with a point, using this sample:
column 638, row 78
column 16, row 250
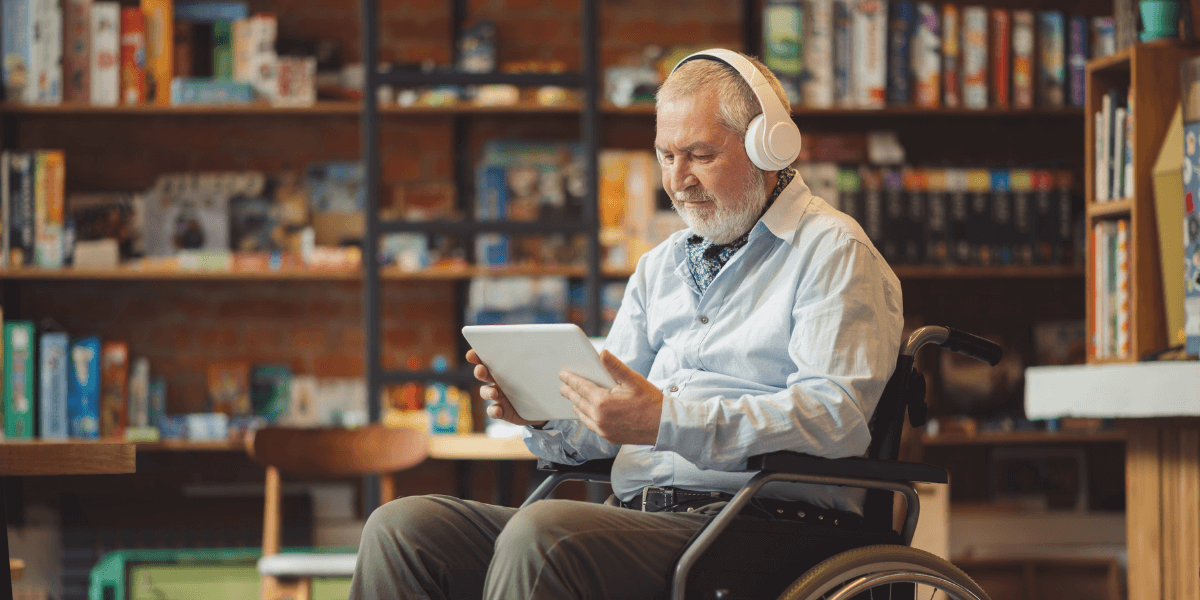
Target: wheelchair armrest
column 600, row 466
column 853, row 467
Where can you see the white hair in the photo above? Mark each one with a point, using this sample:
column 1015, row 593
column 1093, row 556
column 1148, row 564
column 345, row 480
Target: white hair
column 737, row 104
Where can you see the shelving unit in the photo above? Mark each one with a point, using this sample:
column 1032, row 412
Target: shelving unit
column 1150, row 72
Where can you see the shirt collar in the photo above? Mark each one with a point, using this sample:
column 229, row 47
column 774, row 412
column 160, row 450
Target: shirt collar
column 783, row 217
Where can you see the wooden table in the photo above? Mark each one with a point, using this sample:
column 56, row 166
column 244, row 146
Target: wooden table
column 23, row 458
column 1158, row 406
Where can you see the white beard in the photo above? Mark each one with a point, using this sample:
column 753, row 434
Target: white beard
column 723, row 222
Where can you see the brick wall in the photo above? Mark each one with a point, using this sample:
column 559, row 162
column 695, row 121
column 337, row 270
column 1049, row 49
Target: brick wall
column 313, row 327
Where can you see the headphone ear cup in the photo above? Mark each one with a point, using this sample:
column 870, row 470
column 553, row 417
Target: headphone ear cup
column 755, row 148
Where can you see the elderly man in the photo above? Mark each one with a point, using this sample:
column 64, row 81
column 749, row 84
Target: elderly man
column 770, row 323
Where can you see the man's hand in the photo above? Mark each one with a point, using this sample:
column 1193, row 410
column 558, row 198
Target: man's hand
column 627, row 414
column 502, row 409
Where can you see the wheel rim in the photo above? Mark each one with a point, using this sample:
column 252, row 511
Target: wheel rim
column 862, row 583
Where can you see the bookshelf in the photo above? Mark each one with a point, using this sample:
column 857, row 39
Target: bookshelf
column 1150, row 72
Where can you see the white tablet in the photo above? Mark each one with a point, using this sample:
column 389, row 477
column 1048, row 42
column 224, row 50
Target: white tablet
column 525, row 361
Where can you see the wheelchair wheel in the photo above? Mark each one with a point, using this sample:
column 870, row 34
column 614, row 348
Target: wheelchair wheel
column 878, row 571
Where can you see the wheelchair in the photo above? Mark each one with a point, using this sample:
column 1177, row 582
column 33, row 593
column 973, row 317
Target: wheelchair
column 762, row 558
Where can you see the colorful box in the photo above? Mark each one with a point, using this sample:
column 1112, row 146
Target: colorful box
column 114, row 389
column 49, row 189
column 52, row 358
column 105, row 60
column 160, row 46
column 133, row 56
column 83, row 388
column 20, row 388
column 78, row 49
column 975, row 57
column 229, row 387
column 271, row 391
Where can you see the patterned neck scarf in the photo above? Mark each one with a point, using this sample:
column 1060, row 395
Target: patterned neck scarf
column 705, row 258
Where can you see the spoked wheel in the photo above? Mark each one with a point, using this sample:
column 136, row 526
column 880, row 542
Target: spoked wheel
column 884, row 573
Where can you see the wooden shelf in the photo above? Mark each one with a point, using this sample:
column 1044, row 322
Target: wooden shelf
column 190, row 446
column 136, row 274
column 73, row 457
column 1025, row 438
column 1118, row 61
column 349, row 108
column 1111, row 209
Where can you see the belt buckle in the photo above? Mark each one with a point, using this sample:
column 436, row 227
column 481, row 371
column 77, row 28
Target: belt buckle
column 667, row 496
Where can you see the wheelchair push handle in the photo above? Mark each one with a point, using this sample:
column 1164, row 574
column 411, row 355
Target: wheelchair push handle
column 955, row 341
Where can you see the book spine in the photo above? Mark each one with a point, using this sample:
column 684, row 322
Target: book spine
column 264, row 63
column 182, row 50
column 1104, row 149
column 49, row 181
column 958, row 209
column 980, row 230
column 951, row 56
column 223, row 50
column 843, row 54
column 5, row 210
column 1077, row 60
column 1001, row 57
column 52, row 358
column 160, row 45
column 869, row 59
column 133, row 56
column 1051, row 88
column 1044, row 230
column 21, row 216
column 243, row 43
column 895, row 217
column 975, row 57
column 48, row 51
column 900, row 27
column 139, row 393
column 1118, row 156
column 105, row 77
column 1112, row 267
column 1127, row 160
column 1022, row 48
column 1002, row 217
column 1065, row 221
column 76, row 62
column 927, row 63
column 17, row 45
column 1096, row 319
column 20, row 387
column 937, row 223
column 1122, row 290
column 914, row 184
column 1022, row 217
column 783, row 32
column 818, row 54
column 83, row 388
column 114, row 394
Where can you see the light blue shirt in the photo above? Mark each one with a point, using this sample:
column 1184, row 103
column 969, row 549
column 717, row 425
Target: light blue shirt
column 789, row 348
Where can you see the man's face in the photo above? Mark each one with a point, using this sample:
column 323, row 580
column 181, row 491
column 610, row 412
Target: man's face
column 711, row 181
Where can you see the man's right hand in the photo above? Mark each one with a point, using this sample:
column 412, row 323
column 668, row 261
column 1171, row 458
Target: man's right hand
column 502, row 409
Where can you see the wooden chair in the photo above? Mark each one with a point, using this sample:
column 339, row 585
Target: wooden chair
column 16, row 568
column 372, row 450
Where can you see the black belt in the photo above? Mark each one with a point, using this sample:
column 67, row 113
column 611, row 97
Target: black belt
column 669, row 499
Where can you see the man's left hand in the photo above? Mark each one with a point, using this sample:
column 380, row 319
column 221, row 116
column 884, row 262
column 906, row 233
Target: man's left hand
column 626, row 414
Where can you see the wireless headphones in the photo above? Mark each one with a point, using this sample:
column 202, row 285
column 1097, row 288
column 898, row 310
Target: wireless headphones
column 772, row 139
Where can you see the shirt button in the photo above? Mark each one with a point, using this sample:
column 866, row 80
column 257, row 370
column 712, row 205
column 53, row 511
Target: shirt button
column 704, row 320
column 674, row 388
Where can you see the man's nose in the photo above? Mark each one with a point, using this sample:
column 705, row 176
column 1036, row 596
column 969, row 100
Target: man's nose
column 681, row 175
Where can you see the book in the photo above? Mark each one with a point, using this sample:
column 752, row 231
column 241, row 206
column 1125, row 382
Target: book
column 181, row 49
column 783, row 29
column 1021, row 181
column 83, row 388
column 975, row 57
column 914, row 183
column 48, row 51
column 193, row 90
column 1117, row 183
column 1022, row 57
column 139, row 393
column 843, row 54
column 229, row 388
column 20, row 221
column 1044, row 230
column 5, row 203
column 951, row 56
column 133, row 56
column 114, row 389
column 937, row 223
column 52, row 372
column 254, row 58
column 1000, row 36
column 20, row 388
column 296, row 81
column 1104, row 40
column 927, row 61
column 1077, row 57
column 1123, row 314
column 18, row 49
column 1002, row 217
column 77, row 36
column 1051, row 85
column 980, row 228
column 223, row 49
column 867, row 184
column 1064, row 191
column 160, row 47
column 900, row 27
column 104, row 80
column 896, row 229
column 868, row 73
column 818, row 55
column 1127, row 180
column 48, row 190
column 1096, row 249
column 958, row 212
column 1125, row 23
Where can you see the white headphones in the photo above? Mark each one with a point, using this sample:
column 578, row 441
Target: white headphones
column 772, row 139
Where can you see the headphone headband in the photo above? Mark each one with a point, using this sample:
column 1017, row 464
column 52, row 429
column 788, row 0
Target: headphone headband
column 772, row 139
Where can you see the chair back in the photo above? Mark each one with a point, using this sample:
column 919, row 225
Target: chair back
column 887, row 427
column 338, row 452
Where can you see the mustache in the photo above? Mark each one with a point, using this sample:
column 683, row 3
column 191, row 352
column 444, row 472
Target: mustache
column 694, row 196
